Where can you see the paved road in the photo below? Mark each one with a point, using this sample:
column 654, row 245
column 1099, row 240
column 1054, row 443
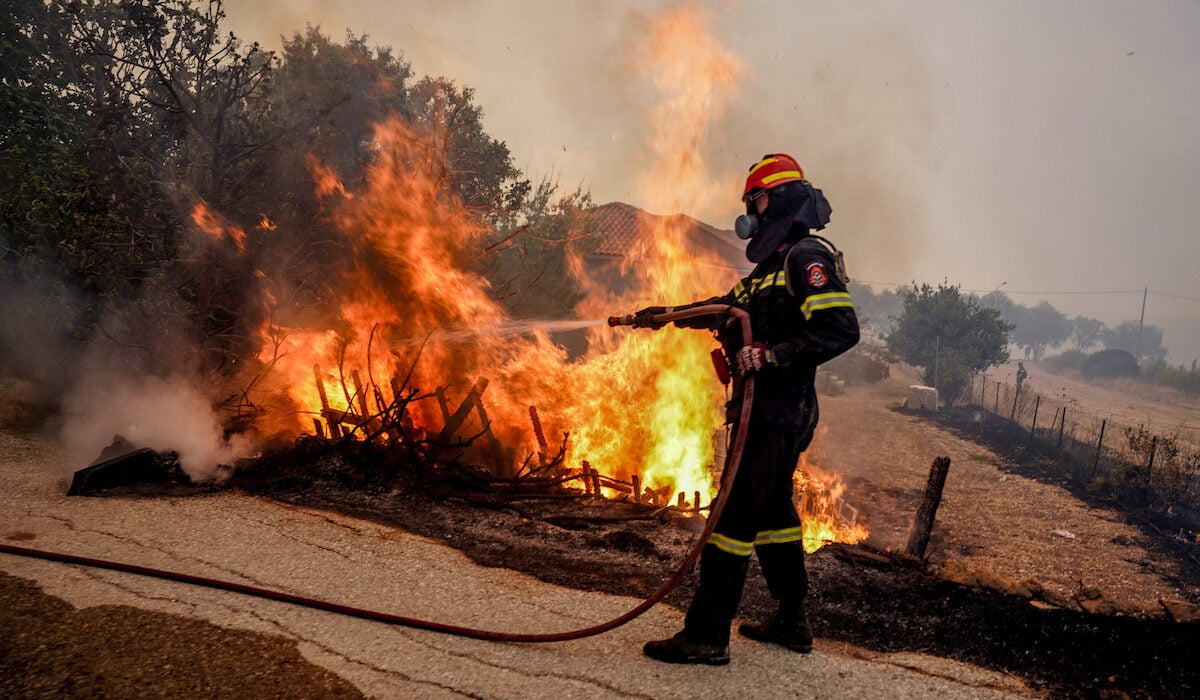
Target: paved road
column 334, row 557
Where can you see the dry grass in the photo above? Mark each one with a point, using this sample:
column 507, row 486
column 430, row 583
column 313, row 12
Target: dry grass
column 989, row 519
column 1162, row 410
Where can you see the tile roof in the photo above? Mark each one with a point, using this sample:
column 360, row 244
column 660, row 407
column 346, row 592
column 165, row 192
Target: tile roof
column 624, row 231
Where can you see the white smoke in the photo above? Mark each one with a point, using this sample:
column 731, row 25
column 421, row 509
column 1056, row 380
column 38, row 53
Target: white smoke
column 162, row 414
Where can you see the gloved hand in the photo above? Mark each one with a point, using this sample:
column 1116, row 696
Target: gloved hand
column 644, row 318
column 753, row 358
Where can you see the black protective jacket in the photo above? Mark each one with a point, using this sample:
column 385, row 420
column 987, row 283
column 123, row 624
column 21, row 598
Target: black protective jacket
column 800, row 309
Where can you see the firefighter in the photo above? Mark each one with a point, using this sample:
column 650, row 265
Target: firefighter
column 801, row 316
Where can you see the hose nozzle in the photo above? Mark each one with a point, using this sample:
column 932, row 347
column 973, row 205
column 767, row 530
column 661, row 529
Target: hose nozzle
column 624, row 320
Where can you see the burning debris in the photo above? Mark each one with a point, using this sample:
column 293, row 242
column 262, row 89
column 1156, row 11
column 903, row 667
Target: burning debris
column 403, row 346
column 137, row 466
column 466, row 438
column 122, row 466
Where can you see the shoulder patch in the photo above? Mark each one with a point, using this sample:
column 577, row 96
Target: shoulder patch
column 815, row 273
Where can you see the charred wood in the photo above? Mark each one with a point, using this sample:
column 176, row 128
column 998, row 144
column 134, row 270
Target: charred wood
column 918, row 538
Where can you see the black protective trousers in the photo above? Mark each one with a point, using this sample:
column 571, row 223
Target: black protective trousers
column 759, row 517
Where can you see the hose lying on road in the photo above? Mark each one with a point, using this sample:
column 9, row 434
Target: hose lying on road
column 731, row 467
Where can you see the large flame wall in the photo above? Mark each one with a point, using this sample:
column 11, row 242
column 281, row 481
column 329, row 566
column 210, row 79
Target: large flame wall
column 640, row 403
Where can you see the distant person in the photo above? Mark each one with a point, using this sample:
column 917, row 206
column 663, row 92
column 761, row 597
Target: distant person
column 1021, row 374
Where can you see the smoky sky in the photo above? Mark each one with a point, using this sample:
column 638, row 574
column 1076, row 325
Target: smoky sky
column 1050, row 150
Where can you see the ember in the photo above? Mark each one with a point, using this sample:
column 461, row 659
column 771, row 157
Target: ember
column 209, row 222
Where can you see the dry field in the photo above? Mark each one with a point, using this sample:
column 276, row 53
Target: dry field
column 1127, row 402
column 990, row 518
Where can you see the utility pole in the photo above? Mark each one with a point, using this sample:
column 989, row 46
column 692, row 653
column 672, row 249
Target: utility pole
column 1142, row 324
column 937, row 351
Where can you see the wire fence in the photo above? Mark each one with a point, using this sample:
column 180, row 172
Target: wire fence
column 1158, row 468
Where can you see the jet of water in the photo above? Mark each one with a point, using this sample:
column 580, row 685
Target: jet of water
column 513, row 327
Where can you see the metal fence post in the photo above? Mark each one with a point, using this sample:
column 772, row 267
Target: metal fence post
column 1033, row 426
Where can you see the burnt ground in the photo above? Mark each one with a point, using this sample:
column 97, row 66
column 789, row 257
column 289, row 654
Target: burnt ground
column 859, row 596
column 49, row 649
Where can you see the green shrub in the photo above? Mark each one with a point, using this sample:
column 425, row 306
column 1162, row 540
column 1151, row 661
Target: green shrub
column 1111, row 363
column 865, row 363
column 1071, row 359
column 1162, row 374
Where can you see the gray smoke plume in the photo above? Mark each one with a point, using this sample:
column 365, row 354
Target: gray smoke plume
column 164, row 414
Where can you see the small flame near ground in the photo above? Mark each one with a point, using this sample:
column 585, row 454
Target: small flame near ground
column 825, row 515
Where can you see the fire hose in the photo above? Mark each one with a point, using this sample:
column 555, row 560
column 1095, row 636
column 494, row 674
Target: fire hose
column 718, row 505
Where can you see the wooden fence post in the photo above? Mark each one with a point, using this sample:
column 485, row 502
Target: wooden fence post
column 455, row 421
column 918, row 537
column 1099, row 444
column 1150, row 463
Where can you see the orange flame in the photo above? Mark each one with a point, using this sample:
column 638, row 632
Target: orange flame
column 215, row 225
column 825, row 515
column 325, row 181
column 662, row 402
column 640, row 403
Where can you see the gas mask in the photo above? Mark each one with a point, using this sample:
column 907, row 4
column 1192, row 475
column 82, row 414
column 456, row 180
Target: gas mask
column 745, row 226
column 795, row 209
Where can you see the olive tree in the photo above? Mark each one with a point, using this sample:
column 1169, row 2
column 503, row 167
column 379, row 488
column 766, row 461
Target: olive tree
column 949, row 335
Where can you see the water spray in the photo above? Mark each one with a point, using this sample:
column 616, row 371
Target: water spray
column 733, row 459
column 511, row 328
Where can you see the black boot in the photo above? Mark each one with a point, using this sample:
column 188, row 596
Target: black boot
column 705, row 635
column 680, row 650
column 711, row 612
column 789, row 628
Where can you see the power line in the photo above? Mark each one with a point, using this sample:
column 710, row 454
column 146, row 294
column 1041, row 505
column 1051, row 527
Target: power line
column 880, row 284
column 1174, row 296
column 1049, row 292
column 1112, row 291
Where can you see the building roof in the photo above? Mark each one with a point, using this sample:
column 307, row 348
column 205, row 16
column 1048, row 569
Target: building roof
column 623, row 230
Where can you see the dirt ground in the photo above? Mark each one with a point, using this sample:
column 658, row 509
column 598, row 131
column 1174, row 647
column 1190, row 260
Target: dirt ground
column 995, row 514
column 1126, row 401
column 1021, row 575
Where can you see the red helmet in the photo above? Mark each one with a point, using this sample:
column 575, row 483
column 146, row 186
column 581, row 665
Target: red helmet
column 773, row 170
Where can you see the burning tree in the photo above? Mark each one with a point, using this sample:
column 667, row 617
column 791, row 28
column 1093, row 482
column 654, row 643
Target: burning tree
column 331, row 247
column 411, row 314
